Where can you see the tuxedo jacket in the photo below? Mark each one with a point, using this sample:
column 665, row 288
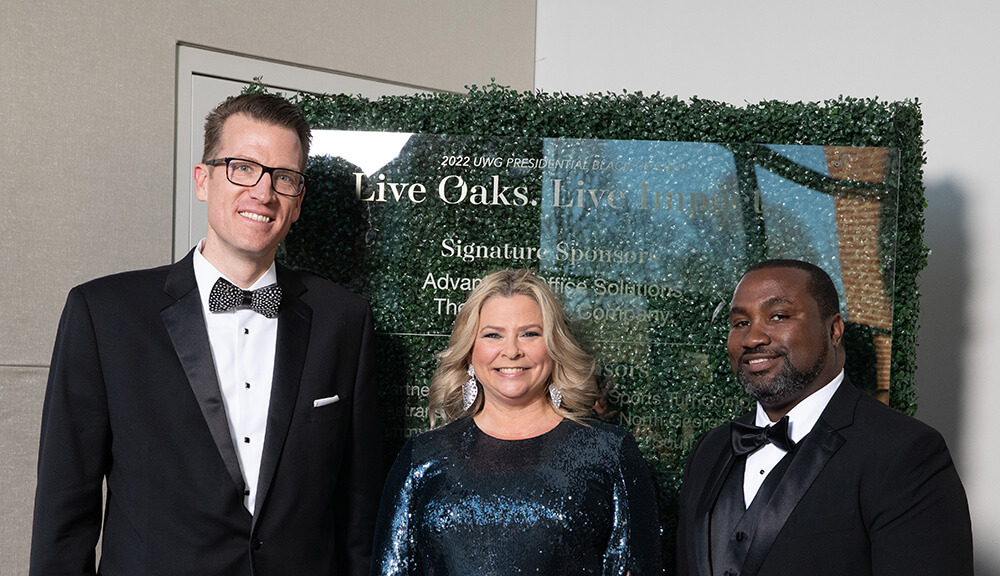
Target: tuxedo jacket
column 133, row 401
column 869, row 491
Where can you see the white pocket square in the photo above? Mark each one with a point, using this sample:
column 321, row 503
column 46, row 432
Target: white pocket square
column 324, row 401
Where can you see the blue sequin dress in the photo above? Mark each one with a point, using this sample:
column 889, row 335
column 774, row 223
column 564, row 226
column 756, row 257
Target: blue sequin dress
column 576, row 500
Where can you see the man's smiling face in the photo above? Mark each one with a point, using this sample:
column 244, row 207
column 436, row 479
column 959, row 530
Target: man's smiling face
column 780, row 347
column 248, row 223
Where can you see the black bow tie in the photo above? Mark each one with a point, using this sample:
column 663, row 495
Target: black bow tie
column 747, row 438
column 226, row 296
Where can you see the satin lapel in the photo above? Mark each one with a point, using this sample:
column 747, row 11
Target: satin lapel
column 808, row 461
column 294, row 325
column 185, row 323
column 702, row 520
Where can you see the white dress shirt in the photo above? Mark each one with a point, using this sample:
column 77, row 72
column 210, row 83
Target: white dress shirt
column 243, row 344
column 801, row 420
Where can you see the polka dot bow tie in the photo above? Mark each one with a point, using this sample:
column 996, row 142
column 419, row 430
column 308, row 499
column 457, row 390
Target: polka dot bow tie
column 226, row 296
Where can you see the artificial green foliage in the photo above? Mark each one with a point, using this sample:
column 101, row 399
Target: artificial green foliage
column 498, row 111
column 667, row 398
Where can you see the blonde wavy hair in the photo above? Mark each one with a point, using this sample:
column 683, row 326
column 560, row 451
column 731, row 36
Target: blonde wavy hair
column 572, row 368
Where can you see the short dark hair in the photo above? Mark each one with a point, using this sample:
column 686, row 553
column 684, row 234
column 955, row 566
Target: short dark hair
column 820, row 284
column 266, row 108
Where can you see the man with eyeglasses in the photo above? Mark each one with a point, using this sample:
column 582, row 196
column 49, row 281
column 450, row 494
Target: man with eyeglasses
column 219, row 414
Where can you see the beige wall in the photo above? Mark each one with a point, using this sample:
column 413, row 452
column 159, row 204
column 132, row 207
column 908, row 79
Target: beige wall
column 87, row 145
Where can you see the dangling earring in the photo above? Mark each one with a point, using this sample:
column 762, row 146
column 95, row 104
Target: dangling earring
column 555, row 395
column 469, row 389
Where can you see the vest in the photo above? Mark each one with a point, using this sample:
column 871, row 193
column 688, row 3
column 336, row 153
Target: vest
column 733, row 525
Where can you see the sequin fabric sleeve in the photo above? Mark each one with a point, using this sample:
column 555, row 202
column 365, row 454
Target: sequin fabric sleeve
column 394, row 539
column 635, row 544
column 574, row 501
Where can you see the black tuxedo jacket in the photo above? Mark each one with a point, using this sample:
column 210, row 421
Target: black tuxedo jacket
column 869, row 491
column 133, row 400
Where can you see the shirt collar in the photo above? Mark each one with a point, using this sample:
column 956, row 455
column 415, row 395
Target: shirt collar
column 803, row 416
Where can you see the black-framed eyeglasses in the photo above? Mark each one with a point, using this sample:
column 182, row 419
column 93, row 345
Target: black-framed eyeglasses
column 248, row 173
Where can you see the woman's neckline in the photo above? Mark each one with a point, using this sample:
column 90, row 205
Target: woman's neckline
column 540, row 435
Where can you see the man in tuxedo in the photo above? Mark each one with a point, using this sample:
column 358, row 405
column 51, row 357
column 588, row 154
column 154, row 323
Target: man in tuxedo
column 821, row 479
column 227, row 405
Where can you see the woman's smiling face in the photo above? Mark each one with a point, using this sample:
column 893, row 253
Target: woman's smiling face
column 510, row 356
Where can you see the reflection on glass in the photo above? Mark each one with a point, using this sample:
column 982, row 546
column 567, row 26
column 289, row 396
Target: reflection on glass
column 645, row 241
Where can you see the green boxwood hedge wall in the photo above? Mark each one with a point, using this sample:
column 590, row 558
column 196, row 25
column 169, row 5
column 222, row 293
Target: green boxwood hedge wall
column 332, row 246
column 498, row 111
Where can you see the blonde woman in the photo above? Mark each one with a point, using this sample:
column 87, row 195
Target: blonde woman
column 518, row 479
